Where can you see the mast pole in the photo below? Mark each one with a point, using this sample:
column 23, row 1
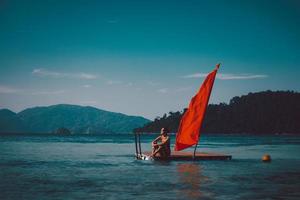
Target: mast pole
column 194, row 155
column 136, row 148
column 140, row 149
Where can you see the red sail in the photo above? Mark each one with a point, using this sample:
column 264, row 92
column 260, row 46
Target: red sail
column 191, row 122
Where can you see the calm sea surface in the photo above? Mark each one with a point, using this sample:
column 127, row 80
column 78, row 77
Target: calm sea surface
column 104, row 167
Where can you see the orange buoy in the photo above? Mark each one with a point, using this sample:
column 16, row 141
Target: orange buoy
column 266, row 158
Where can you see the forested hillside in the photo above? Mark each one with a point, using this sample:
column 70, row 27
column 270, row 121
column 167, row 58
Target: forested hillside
column 265, row 112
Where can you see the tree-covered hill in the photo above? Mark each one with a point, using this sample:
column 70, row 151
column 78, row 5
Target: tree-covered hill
column 78, row 119
column 265, row 112
column 10, row 122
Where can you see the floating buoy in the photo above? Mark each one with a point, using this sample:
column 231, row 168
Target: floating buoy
column 266, row 158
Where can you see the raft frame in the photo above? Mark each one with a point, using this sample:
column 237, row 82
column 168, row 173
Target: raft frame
column 178, row 155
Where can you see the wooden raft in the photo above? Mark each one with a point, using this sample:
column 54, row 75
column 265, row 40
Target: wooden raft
column 178, row 155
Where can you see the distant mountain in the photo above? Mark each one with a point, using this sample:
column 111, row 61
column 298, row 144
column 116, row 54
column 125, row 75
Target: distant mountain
column 265, row 112
column 10, row 122
column 78, row 119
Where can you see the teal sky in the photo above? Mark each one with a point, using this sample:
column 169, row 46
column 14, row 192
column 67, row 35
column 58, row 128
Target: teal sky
column 144, row 57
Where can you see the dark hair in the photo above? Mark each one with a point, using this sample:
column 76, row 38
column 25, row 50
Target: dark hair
column 166, row 130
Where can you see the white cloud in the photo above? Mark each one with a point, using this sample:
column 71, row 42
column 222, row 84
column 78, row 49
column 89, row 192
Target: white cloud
column 152, row 83
column 129, row 84
column 163, row 90
column 55, row 92
column 241, row 76
column 53, row 74
column 87, row 86
column 9, row 90
column 196, row 75
column 113, row 82
column 85, row 76
column 228, row 76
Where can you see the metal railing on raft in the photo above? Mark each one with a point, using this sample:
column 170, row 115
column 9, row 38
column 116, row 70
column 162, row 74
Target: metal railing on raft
column 138, row 149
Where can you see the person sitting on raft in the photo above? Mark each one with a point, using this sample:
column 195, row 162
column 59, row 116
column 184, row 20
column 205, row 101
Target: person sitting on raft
column 162, row 149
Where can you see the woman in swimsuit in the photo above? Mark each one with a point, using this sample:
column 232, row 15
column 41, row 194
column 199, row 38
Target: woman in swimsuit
column 161, row 149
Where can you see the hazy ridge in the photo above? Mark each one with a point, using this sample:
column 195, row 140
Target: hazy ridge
column 78, row 119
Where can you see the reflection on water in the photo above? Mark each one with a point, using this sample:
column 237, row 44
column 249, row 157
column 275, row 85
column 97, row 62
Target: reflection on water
column 190, row 177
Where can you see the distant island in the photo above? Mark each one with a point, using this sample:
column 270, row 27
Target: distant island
column 267, row 112
column 61, row 118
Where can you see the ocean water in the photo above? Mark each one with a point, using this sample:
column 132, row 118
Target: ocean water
column 104, row 167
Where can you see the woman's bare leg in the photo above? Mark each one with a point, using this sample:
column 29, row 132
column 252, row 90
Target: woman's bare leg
column 155, row 151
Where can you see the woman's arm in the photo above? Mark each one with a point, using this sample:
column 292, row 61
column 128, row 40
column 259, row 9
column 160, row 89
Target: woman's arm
column 163, row 143
column 156, row 139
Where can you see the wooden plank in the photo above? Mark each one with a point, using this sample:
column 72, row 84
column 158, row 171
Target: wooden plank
column 178, row 155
